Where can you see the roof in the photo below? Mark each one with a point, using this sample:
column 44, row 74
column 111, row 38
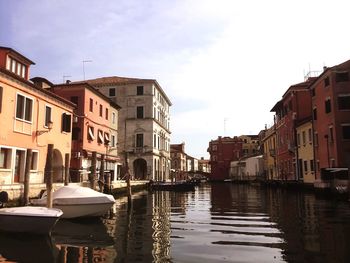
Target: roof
column 89, row 87
column 45, row 91
column 296, row 87
column 177, row 147
column 340, row 67
column 118, row 81
column 18, row 54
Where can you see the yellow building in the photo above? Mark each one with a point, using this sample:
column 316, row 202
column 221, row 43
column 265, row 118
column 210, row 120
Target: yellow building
column 305, row 153
column 269, row 144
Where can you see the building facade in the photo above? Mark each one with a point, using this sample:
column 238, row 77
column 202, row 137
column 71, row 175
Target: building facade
column 331, row 120
column 31, row 118
column 269, row 151
column 178, row 161
column 144, row 124
column 293, row 107
column 222, row 151
column 93, row 131
column 305, row 150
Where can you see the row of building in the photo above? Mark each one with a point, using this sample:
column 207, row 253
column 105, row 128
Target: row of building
column 309, row 140
column 102, row 123
column 185, row 166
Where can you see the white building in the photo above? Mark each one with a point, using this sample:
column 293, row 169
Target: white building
column 144, row 124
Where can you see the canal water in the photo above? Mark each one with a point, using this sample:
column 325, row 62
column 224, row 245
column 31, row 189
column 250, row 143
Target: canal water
column 220, row 222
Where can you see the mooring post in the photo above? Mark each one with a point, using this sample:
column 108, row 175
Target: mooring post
column 25, row 200
column 127, row 175
column 93, row 170
column 66, row 169
column 102, row 172
column 49, row 174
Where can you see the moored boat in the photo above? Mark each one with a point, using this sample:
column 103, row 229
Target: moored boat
column 77, row 201
column 29, row 219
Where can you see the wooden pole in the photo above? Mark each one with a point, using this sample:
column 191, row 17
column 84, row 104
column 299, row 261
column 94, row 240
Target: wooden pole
column 66, row 170
column 25, row 200
column 49, row 174
column 93, row 170
column 127, row 177
column 102, row 171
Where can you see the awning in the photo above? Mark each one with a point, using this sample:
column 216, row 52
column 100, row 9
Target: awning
column 100, row 136
column 91, row 134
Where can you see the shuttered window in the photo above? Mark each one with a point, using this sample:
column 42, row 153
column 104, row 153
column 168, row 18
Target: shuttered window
column 66, row 122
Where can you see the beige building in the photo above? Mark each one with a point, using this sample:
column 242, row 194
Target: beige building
column 250, row 145
column 305, row 153
column 269, row 146
column 143, row 125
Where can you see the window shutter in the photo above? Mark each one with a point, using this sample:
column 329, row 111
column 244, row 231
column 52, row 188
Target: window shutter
column 66, row 122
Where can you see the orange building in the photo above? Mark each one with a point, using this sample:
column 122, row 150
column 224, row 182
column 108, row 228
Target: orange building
column 31, row 118
column 92, row 129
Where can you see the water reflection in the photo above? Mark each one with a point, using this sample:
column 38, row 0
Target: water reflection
column 27, row 248
column 216, row 223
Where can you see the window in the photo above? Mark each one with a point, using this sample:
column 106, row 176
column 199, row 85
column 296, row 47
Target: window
column 215, row 147
column 34, row 163
column 113, row 117
column 74, row 99
column 24, row 108
column 101, row 110
column 158, row 142
column 66, row 122
column 5, row 158
column 326, row 81
column 75, row 133
column 305, row 166
column 304, row 138
column 139, row 140
column 47, row 116
column 91, row 135
column 346, row 131
column 313, row 92
column 139, row 112
column 154, row 140
column 1, row 90
column 312, row 166
column 100, row 136
column 332, row 163
column 341, row 77
column 106, row 138
column 298, row 139
column 112, row 92
column 327, row 105
column 139, row 90
column 331, row 137
column 106, row 113
column 112, row 140
column 344, row 102
column 310, row 136
column 91, row 105
column 314, row 113
column 316, row 139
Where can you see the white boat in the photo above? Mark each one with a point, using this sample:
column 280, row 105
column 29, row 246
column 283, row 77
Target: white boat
column 29, row 219
column 77, row 201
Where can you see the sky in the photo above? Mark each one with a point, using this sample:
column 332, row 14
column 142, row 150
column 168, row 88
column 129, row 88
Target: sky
column 224, row 64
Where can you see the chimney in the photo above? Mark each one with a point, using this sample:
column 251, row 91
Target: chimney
column 68, row 81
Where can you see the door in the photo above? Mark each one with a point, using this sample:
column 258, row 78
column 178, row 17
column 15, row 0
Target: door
column 18, row 169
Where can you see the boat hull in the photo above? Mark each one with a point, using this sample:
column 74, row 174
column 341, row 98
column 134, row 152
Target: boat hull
column 83, row 210
column 40, row 225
